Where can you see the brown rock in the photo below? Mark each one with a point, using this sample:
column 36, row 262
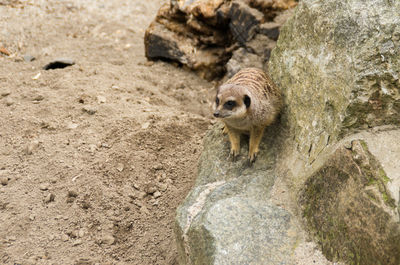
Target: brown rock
column 270, row 29
column 244, row 21
column 199, row 8
column 162, row 43
column 4, row 181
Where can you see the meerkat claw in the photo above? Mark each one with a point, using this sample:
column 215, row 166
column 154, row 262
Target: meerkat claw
column 252, row 158
column 233, row 155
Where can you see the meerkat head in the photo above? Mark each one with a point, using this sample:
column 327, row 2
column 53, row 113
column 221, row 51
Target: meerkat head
column 232, row 102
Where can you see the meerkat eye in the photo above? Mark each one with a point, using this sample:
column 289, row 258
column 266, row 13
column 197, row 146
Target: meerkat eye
column 217, row 101
column 247, row 101
column 230, row 104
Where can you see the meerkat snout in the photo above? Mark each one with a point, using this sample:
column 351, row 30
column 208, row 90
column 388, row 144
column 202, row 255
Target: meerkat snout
column 247, row 103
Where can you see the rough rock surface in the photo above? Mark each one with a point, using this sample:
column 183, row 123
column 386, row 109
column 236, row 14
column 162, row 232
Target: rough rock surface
column 349, row 208
column 334, row 150
column 230, row 218
column 338, row 72
column 203, row 34
column 339, row 76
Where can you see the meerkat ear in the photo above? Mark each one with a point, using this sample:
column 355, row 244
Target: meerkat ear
column 247, row 101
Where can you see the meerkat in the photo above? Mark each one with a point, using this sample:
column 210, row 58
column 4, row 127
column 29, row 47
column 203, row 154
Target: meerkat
column 247, row 103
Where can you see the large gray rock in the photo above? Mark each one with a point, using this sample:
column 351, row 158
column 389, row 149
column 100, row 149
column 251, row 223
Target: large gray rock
column 222, row 221
column 232, row 216
column 337, row 63
column 349, row 208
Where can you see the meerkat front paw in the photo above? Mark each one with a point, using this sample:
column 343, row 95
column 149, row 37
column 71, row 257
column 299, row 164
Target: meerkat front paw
column 234, row 154
column 252, row 157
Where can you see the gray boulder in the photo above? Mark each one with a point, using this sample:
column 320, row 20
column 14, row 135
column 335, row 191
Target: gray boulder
column 349, row 208
column 337, row 63
column 232, row 215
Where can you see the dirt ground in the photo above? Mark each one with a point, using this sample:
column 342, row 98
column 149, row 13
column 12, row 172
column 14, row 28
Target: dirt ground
column 95, row 157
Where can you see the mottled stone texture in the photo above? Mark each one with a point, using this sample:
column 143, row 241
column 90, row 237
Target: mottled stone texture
column 338, row 63
column 227, row 218
column 349, row 209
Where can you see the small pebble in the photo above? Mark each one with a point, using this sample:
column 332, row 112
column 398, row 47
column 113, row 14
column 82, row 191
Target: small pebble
column 31, row 147
column 36, row 77
column 44, row 186
column 72, row 193
column 4, row 181
column 145, row 125
column 81, row 233
column 49, row 198
column 73, row 234
column 77, row 242
column 144, row 209
column 158, row 167
column 101, row 99
column 29, row 58
column 120, row 167
column 9, row 101
column 72, row 126
column 169, row 181
column 142, row 194
column 150, row 189
column 85, row 205
column 157, row 194
column 162, row 186
column 32, row 217
column 38, row 98
column 89, row 110
column 108, row 239
column 64, row 237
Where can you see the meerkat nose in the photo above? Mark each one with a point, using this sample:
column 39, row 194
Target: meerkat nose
column 216, row 114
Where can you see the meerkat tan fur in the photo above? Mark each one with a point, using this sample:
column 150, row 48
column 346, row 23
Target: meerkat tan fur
column 247, row 103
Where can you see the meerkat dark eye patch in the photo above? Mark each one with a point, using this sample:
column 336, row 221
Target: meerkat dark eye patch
column 246, row 101
column 217, row 101
column 230, row 104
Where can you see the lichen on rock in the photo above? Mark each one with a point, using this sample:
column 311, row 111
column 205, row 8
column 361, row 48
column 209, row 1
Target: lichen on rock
column 349, row 210
column 338, row 63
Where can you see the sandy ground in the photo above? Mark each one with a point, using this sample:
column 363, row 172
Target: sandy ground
column 95, row 157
